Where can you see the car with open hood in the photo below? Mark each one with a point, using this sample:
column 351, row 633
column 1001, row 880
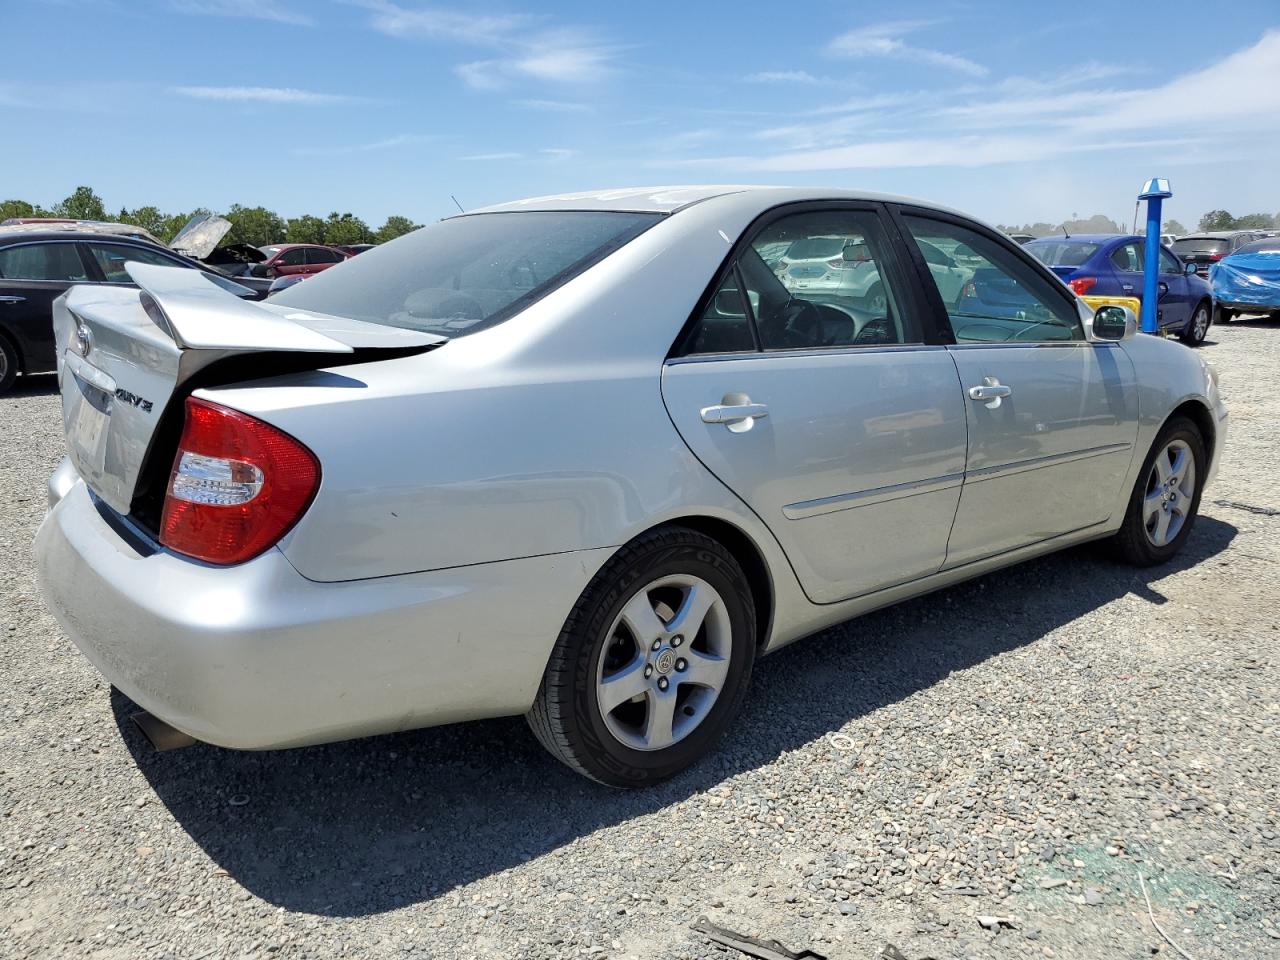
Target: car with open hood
column 584, row 458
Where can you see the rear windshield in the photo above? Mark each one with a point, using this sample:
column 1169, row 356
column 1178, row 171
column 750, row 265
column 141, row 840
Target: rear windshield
column 1269, row 245
column 816, row 248
column 467, row 273
column 1202, row 245
column 1061, row 253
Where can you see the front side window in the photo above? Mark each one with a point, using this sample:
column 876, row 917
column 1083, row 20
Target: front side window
column 992, row 295
column 42, row 261
column 111, row 258
column 292, row 258
column 470, row 272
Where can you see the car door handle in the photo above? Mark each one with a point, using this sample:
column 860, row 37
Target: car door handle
column 1127, row 287
column 738, row 417
column 13, row 299
column 991, row 392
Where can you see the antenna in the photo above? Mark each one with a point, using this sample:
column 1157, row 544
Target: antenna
column 1064, row 232
column 456, row 203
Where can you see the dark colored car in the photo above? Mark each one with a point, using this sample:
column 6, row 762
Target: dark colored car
column 1248, row 280
column 351, row 249
column 1204, row 249
column 1101, row 265
column 38, row 267
column 288, row 259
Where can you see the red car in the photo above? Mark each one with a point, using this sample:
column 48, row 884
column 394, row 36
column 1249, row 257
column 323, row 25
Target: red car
column 291, row 259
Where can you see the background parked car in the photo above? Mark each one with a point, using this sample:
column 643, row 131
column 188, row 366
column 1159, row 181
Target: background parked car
column 36, row 267
column 37, row 224
column 1112, row 265
column 351, row 249
column 1204, row 249
column 1248, row 280
column 287, row 259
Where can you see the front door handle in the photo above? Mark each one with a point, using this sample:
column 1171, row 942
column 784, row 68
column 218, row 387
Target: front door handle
column 737, row 416
column 992, row 391
column 13, row 299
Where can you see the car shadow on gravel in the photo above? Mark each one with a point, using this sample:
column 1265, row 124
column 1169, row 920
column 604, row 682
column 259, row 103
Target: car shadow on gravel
column 33, row 385
column 366, row 826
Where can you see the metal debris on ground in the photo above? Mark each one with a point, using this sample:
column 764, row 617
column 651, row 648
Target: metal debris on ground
column 761, row 949
column 996, row 923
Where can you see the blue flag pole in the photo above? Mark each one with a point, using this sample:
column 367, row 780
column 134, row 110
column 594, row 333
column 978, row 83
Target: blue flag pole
column 1155, row 193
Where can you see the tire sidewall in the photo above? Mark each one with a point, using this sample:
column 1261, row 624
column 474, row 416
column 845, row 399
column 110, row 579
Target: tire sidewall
column 10, row 364
column 1178, row 429
column 621, row 765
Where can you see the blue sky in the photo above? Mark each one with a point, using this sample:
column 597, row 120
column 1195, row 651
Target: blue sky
column 1012, row 111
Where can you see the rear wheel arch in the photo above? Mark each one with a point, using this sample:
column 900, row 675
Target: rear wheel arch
column 744, row 550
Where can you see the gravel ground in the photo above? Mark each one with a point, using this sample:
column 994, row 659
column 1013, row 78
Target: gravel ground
column 1022, row 746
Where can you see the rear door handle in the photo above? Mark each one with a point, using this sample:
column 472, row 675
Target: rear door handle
column 1127, row 287
column 13, row 299
column 732, row 413
column 992, row 391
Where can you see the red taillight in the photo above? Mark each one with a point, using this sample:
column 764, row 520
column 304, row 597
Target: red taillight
column 1082, row 285
column 1215, row 257
column 237, row 485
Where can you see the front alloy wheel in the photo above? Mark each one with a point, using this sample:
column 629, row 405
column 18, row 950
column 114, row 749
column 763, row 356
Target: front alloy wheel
column 1198, row 327
column 1171, row 488
column 653, row 661
column 1164, row 502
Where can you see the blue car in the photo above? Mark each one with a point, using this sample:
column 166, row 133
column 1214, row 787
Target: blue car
column 1248, row 281
column 1102, row 265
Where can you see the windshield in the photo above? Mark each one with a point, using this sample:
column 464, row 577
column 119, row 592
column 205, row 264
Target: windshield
column 1061, row 253
column 467, row 273
column 1200, row 245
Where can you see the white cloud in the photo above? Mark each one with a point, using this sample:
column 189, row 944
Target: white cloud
column 401, row 140
column 883, row 40
column 524, row 48
column 507, row 155
column 263, row 95
column 782, row 76
column 553, row 106
column 250, row 9
column 558, row 153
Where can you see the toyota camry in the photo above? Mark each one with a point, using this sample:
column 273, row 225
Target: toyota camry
column 585, row 458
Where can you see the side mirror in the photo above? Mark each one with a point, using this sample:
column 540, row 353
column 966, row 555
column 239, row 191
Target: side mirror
column 729, row 303
column 1112, row 324
column 1189, row 269
column 856, row 253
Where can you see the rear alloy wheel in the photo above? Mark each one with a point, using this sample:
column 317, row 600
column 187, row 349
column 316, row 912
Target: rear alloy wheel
column 1197, row 327
column 8, row 365
column 653, row 662
column 1166, row 498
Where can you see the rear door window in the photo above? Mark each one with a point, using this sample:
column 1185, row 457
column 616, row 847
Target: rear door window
column 321, row 255
column 42, row 261
column 111, row 258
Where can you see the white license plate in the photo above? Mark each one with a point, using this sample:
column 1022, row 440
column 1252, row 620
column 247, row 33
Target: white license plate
column 87, row 422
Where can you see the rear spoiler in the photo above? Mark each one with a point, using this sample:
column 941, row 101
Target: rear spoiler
column 199, row 314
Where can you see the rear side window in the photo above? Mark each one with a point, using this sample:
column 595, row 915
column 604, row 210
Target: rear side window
column 111, row 258
column 42, row 261
column 820, row 280
column 469, row 272
column 321, row 255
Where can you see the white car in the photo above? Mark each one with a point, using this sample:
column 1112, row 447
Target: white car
column 584, row 458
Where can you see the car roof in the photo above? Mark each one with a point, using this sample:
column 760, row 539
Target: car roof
column 1086, row 238
column 670, row 199
column 1214, row 235
column 9, row 235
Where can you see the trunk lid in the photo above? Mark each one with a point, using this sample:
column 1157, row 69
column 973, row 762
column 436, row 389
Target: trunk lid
column 125, row 355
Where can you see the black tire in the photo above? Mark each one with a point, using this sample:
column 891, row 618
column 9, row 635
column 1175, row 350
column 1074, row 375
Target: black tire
column 1223, row 315
column 1197, row 327
column 1131, row 543
column 8, row 364
column 566, row 716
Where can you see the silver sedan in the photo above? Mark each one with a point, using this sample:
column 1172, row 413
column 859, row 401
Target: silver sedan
column 584, row 458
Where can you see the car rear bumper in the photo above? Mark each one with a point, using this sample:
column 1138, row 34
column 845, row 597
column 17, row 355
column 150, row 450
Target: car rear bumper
column 255, row 656
column 1261, row 305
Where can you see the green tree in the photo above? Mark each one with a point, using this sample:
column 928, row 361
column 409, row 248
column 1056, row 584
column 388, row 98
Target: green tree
column 1254, row 221
column 395, row 227
column 256, row 226
column 1217, row 220
column 305, row 229
column 1098, row 223
column 148, row 218
column 346, row 228
column 1174, row 227
column 83, row 204
column 19, row 208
